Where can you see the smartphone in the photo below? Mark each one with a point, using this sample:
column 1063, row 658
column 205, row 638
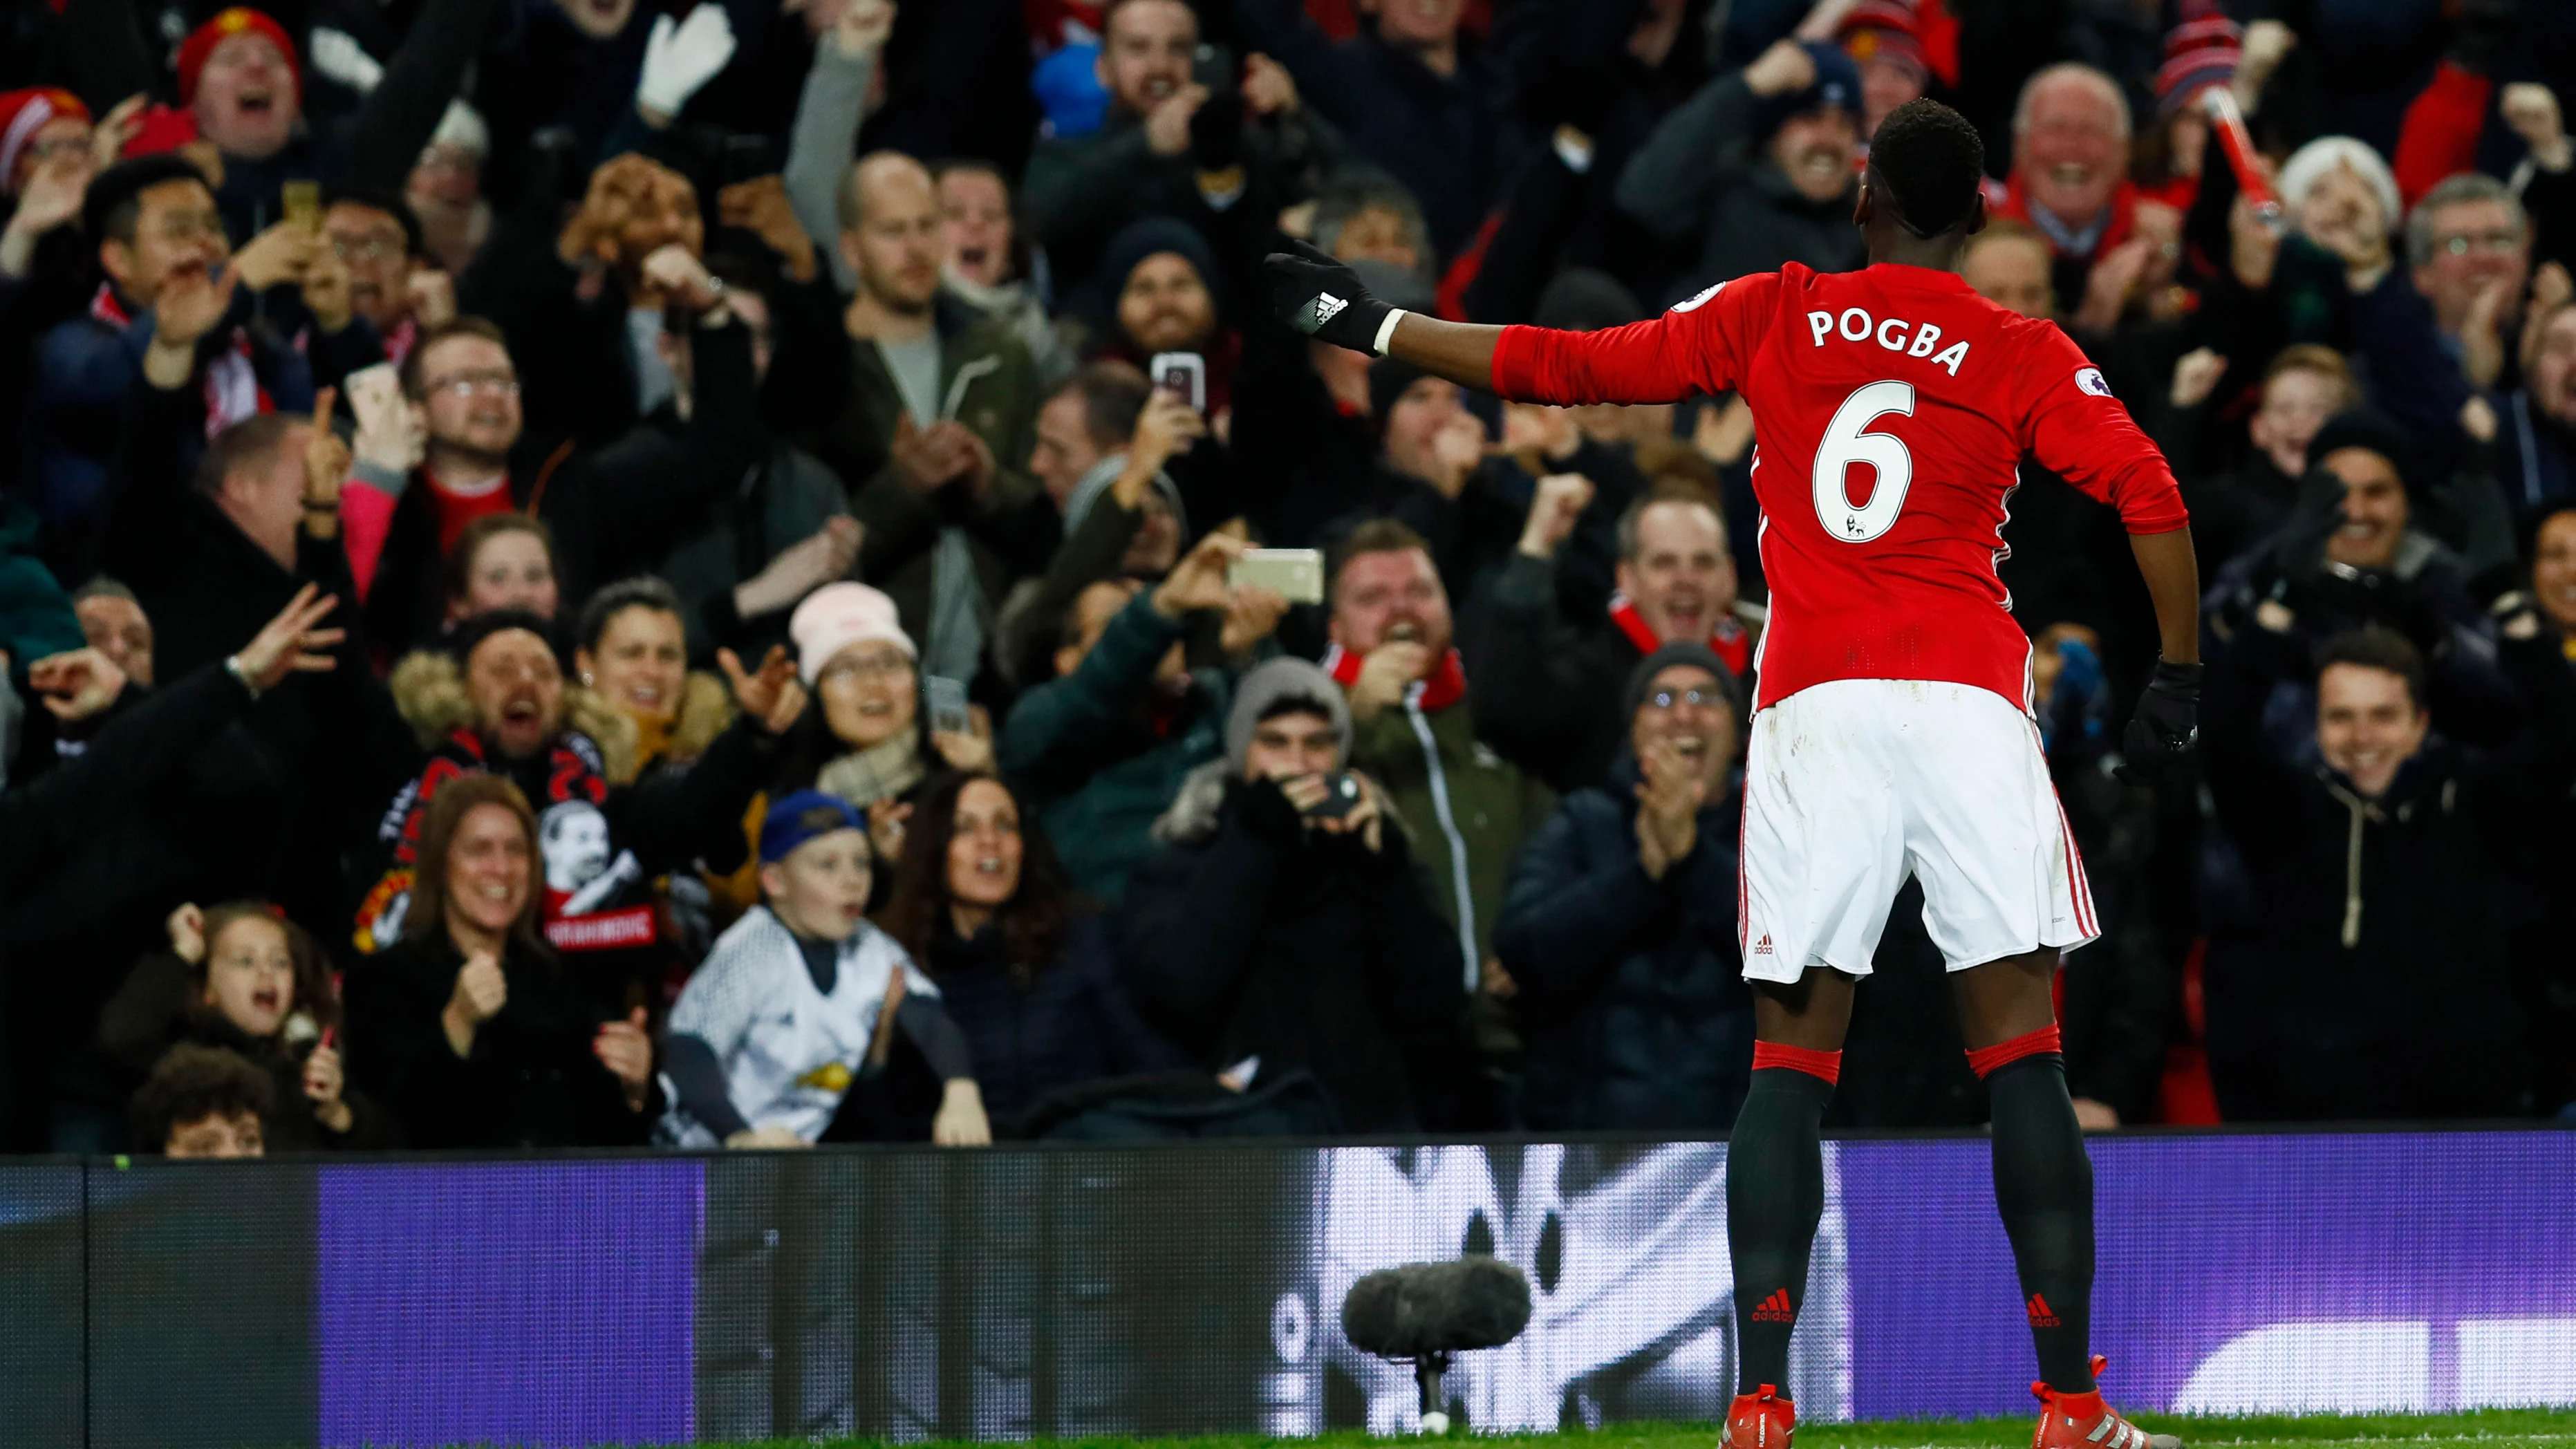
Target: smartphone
column 1294, row 574
column 1341, row 797
column 1214, row 66
column 946, row 699
column 1182, row 374
column 304, row 204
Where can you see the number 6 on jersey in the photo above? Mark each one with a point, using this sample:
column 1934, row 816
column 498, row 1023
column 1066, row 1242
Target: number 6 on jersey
column 1846, row 442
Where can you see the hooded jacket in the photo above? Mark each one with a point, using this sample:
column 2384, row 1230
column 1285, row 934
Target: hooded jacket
column 2372, row 977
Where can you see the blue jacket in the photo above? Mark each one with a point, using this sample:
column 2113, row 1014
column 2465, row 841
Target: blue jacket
column 86, row 373
column 1631, row 1003
column 1071, row 1023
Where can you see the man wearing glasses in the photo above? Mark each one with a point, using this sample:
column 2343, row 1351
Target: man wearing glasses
column 2469, row 245
column 1620, row 929
column 379, row 241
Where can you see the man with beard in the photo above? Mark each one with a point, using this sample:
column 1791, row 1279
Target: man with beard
column 1756, row 168
column 928, row 414
column 1099, row 751
column 1413, row 730
column 1550, row 689
column 498, row 695
column 2070, row 176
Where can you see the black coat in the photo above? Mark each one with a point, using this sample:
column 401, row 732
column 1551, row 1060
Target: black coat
column 531, row 1079
column 2372, row 977
column 1071, row 1024
column 159, row 1008
column 1631, row 1002
column 1250, row 938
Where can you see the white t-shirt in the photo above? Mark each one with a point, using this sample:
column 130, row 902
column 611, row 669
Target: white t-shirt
column 789, row 1051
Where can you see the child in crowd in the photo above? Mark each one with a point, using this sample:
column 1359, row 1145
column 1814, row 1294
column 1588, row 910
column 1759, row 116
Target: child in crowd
column 243, row 979
column 203, row 1101
column 801, row 998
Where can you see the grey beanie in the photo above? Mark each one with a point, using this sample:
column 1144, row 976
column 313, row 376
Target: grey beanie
column 1279, row 681
column 1641, row 679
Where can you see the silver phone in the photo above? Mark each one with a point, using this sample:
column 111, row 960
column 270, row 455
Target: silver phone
column 1295, row 574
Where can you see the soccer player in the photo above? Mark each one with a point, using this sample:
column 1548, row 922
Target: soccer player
column 1892, row 733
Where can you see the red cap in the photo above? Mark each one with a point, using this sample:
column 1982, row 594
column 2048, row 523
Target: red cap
column 1883, row 29
column 201, row 43
column 22, row 115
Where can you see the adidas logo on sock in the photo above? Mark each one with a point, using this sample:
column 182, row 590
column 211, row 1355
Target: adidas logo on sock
column 2041, row 1316
column 1327, row 307
column 1775, row 1309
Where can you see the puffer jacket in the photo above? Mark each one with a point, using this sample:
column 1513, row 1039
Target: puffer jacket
column 1630, row 997
column 2371, row 976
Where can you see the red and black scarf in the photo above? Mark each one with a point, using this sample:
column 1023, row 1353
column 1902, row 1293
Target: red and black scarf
column 573, row 775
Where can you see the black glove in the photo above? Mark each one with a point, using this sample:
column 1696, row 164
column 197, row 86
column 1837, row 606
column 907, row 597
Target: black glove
column 1322, row 298
column 2166, row 729
column 2315, row 514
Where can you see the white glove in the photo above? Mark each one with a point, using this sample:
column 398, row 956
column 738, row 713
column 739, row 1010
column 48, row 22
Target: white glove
column 679, row 59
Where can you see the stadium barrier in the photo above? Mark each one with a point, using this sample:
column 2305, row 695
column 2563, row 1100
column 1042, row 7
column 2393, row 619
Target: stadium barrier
column 908, row 1294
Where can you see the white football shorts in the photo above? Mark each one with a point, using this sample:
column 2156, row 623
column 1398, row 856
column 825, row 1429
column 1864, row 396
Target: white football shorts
column 1853, row 785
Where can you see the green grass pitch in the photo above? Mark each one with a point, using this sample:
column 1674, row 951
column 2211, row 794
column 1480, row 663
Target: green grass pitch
column 2493, row 1427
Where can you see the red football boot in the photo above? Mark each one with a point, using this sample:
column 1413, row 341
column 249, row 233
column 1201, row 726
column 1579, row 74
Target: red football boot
column 1759, row 1420
column 2083, row 1421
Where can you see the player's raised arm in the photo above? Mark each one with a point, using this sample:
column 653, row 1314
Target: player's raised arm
column 1663, row 359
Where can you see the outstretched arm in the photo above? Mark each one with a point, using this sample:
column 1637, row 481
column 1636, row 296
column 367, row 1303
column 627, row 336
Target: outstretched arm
column 1688, row 350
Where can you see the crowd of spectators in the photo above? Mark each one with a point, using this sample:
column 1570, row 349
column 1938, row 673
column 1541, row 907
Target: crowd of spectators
column 590, row 573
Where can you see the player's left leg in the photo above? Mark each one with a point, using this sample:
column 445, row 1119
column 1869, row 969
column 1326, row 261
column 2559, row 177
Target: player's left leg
column 2044, row 1191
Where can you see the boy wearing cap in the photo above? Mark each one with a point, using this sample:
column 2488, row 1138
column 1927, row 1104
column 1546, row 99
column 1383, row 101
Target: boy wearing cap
column 800, row 998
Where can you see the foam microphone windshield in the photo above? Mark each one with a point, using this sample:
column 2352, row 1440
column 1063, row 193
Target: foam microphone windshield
column 1437, row 1308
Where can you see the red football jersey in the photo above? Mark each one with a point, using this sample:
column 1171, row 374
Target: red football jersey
column 1892, row 408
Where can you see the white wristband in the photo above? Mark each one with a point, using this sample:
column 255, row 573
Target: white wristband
column 1386, row 329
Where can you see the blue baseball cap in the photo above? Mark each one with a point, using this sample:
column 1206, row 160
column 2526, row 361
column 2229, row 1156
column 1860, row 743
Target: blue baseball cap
column 801, row 817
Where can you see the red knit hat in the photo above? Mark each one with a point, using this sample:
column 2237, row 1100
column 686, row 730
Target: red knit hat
column 201, row 43
column 159, row 128
column 2200, row 52
column 22, row 115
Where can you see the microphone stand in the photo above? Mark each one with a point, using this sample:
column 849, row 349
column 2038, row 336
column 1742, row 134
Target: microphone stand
column 1435, row 1405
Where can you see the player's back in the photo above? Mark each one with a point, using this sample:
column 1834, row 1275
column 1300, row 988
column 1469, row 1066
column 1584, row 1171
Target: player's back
column 1892, row 408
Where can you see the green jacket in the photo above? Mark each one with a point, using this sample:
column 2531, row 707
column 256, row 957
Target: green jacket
column 1095, row 771
column 987, row 382
column 36, row 617
column 1492, row 806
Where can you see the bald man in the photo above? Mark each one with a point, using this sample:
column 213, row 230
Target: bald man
column 931, row 425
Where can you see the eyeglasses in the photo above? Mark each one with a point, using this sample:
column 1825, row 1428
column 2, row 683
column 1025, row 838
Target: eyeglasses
column 863, row 666
column 186, row 227
column 2493, row 243
column 1695, row 698
column 372, row 249
column 500, row 384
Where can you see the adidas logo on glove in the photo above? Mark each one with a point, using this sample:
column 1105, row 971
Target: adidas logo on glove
column 1327, row 307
